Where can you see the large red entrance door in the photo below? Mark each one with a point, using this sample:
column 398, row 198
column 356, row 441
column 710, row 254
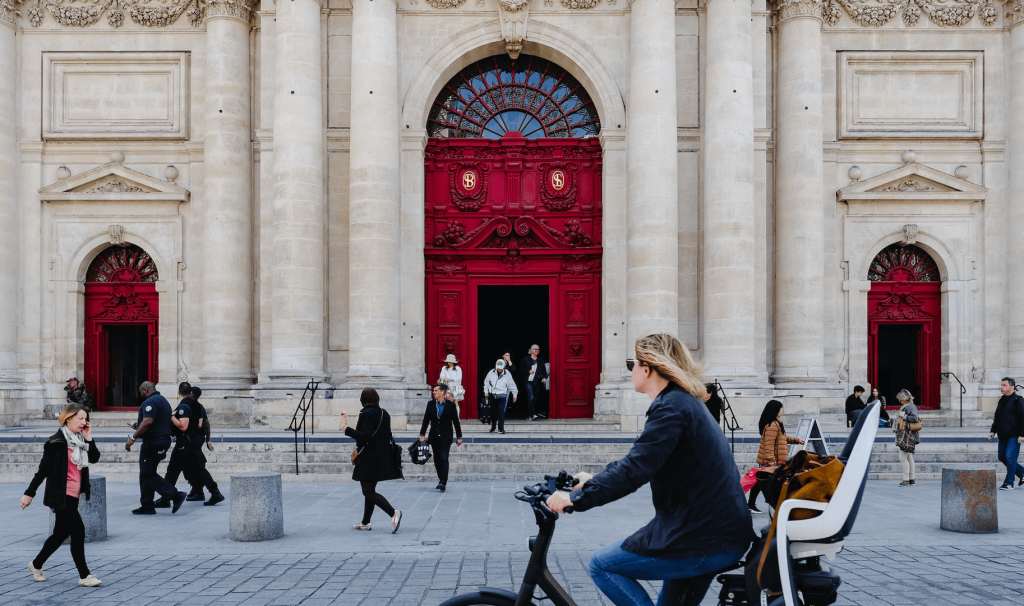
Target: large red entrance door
column 905, row 325
column 516, row 211
column 121, row 321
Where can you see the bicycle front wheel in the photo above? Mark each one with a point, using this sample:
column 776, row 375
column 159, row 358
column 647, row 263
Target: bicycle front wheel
column 479, row 599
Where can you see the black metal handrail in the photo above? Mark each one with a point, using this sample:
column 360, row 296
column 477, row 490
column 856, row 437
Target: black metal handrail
column 731, row 424
column 963, row 390
column 299, row 424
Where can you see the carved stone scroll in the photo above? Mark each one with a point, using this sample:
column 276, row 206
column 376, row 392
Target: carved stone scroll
column 909, row 234
column 116, row 233
column 513, row 15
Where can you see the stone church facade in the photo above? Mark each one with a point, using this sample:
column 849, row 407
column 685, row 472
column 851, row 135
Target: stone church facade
column 811, row 194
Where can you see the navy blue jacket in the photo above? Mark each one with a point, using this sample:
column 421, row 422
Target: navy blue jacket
column 698, row 502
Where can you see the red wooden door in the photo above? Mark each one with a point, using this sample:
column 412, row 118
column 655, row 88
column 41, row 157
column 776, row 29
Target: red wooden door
column 514, row 211
column 914, row 304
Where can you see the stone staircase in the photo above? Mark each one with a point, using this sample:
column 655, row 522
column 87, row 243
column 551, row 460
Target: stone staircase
column 483, row 456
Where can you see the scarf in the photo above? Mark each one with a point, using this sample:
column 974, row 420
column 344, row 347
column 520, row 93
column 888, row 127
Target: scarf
column 78, row 446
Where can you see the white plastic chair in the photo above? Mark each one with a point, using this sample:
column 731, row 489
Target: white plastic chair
column 824, row 534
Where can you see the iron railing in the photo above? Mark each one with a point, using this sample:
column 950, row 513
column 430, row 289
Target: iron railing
column 731, row 424
column 299, row 423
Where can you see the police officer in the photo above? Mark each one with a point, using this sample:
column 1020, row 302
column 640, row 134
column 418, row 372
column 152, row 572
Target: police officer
column 154, row 427
column 181, row 455
column 200, row 476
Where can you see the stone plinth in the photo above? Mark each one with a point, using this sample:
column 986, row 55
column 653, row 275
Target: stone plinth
column 93, row 511
column 969, row 499
column 257, row 507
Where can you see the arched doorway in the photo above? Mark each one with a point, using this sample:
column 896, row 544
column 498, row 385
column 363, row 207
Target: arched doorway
column 513, row 228
column 905, row 325
column 121, row 316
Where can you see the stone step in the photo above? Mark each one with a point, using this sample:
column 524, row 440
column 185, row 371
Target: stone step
column 539, row 426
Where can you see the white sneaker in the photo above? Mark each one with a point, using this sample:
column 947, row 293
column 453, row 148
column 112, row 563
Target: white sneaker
column 37, row 573
column 362, row 527
column 396, row 521
column 89, row 581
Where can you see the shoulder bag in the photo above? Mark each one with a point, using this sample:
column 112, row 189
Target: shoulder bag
column 358, row 451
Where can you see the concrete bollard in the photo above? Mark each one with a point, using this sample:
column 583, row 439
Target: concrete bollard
column 93, row 511
column 257, row 507
column 969, row 499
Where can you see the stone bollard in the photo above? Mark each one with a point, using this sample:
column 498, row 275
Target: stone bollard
column 94, row 511
column 257, row 507
column 969, row 499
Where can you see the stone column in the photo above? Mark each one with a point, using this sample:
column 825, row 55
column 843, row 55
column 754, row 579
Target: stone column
column 728, row 310
column 374, row 196
column 652, row 274
column 9, row 243
column 227, row 284
column 799, row 178
column 298, row 300
column 1015, row 192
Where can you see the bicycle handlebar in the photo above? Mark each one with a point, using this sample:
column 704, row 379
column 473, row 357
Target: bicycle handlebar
column 537, row 495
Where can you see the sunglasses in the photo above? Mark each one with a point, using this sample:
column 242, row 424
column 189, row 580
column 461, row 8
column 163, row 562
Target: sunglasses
column 630, row 363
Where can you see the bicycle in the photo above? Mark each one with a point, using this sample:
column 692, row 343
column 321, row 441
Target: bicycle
column 684, row 592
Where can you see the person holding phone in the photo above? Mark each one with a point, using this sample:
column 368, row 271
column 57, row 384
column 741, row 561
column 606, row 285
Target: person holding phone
column 67, row 456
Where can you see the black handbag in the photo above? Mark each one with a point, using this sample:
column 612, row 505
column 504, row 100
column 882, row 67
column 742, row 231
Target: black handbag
column 419, row 452
column 396, row 455
column 484, row 410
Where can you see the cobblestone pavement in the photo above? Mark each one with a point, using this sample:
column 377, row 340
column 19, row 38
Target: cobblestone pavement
column 475, row 534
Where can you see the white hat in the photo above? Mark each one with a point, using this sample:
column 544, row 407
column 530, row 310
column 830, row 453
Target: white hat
column 451, row 358
column 500, row 364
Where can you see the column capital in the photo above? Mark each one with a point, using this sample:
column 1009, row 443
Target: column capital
column 798, row 9
column 241, row 10
column 322, row 3
column 1015, row 16
column 8, row 13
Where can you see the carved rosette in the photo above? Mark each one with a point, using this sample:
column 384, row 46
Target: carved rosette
column 793, row 9
column 944, row 13
column 231, row 9
column 513, row 15
column 581, row 4
column 446, row 4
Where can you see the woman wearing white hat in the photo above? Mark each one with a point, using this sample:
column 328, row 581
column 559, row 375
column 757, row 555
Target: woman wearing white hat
column 451, row 375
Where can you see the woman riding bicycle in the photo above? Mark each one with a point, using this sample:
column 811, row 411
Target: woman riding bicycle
column 701, row 522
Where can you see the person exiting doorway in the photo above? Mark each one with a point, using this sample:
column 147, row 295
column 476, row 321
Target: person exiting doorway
column 535, row 377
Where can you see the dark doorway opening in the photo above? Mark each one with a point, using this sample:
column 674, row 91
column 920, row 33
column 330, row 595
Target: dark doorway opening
column 127, row 356
column 898, row 361
column 511, row 318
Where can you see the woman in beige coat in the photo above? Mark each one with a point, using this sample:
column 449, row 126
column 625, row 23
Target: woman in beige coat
column 774, row 449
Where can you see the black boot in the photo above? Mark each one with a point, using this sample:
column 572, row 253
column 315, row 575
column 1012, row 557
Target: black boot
column 196, row 495
column 215, row 497
column 161, row 503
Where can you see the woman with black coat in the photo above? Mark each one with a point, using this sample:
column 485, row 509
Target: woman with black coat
column 374, row 462
column 65, row 467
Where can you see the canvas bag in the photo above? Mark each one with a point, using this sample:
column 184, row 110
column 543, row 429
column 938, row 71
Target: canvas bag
column 806, row 476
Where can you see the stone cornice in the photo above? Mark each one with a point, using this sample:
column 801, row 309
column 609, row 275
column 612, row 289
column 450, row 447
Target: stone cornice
column 798, row 9
column 241, row 10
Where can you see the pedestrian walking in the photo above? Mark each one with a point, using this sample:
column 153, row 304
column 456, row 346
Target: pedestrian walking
column 198, row 458
column 1008, row 425
column 186, row 424
column 443, row 421
column 884, row 419
column 499, row 386
column 374, row 461
column 535, row 376
column 65, row 467
column 713, row 401
column 774, row 448
column 154, row 428
column 854, row 406
column 451, row 375
column 907, row 437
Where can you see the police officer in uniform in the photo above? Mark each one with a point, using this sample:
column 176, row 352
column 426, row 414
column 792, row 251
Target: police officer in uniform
column 154, row 428
column 187, row 424
column 200, row 476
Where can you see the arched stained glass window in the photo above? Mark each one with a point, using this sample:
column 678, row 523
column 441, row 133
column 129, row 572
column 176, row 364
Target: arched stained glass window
column 529, row 95
column 899, row 263
column 122, row 264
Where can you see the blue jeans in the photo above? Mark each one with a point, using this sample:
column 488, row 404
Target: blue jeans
column 615, row 571
column 1009, row 450
column 499, row 402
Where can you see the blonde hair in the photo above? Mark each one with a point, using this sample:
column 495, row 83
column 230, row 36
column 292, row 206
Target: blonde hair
column 665, row 355
column 904, row 396
column 69, row 413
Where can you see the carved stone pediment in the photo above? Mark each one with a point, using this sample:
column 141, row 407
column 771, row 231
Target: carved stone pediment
column 113, row 181
column 912, row 182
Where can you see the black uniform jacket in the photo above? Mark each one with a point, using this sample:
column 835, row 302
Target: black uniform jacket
column 54, row 469
column 375, row 463
column 445, row 429
column 1009, row 419
column 699, row 506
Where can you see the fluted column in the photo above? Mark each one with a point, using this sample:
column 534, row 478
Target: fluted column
column 298, row 322
column 799, row 271
column 1015, row 192
column 728, row 312
column 374, row 195
column 9, row 242
column 227, row 284
column 652, row 274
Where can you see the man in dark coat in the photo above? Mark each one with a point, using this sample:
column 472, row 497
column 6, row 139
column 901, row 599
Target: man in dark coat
column 854, row 405
column 443, row 420
column 1008, row 424
column 535, row 376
